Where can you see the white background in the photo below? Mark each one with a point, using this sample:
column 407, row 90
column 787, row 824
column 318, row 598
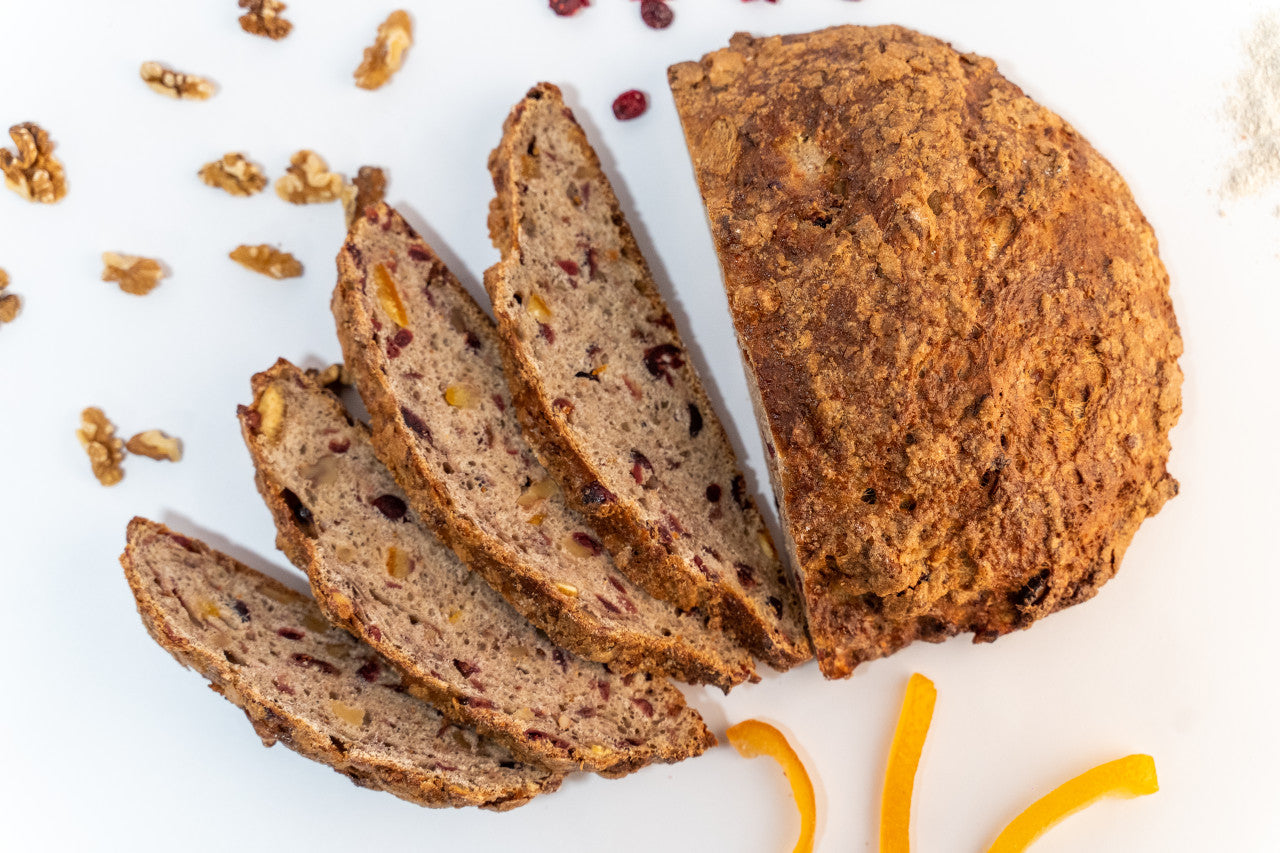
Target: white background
column 109, row 745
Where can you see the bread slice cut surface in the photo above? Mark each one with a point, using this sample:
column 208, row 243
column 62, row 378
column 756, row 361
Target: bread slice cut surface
column 426, row 360
column 380, row 573
column 607, row 393
column 310, row 685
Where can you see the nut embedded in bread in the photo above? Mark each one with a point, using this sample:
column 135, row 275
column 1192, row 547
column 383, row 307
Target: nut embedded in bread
column 956, row 323
column 381, row 574
column 608, row 396
column 426, row 361
column 309, row 685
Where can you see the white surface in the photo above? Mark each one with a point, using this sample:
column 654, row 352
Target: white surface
column 110, row 746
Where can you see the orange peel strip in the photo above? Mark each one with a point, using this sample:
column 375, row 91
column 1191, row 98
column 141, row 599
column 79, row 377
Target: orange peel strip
column 904, row 757
column 753, row 738
column 1131, row 776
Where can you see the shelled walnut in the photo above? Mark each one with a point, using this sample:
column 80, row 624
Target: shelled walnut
column 135, row 274
column 234, row 173
column 262, row 18
column 386, row 55
column 10, row 303
column 267, row 260
column 155, row 444
column 308, row 180
column 175, row 84
column 98, row 438
column 33, row 173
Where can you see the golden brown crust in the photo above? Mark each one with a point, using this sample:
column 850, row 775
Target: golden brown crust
column 636, row 546
column 338, row 608
column 957, row 323
column 274, row 723
column 529, row 592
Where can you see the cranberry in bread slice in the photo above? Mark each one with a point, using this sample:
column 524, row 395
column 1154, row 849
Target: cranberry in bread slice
column 380, row 573
column 308, row 684
column 426, row 360
column 609, row 398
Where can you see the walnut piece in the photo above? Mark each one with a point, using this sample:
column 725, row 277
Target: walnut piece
column 308, row 180
column 235, row 174
column 368, row 188
column 267, row 260
column 385, row 57
column 155, row 444
column 175, row 84
column 10, row 304
column 34, row 173
column 98, row 438
column 136, row 274
column 334, row 375
column 263, row 19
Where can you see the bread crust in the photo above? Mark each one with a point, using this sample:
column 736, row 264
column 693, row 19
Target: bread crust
column 274, row 723
column 637, row 547
column 956, row 322
column 527, row 589
column 339, row 608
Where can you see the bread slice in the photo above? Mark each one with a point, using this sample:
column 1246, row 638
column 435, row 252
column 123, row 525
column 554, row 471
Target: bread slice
column 309, row 685
column 426, row 360
column 607, row 396
column 383, row 576
column 957, row 323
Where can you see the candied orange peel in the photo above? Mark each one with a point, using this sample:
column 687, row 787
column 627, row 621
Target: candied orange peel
column 752, row 738
column 904, row 757
column 1131, row 776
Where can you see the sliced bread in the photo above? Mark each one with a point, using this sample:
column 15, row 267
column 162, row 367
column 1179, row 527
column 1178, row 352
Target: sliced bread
column 426, row 360
column 309, row 685
column 607, row 395
column 385, row 577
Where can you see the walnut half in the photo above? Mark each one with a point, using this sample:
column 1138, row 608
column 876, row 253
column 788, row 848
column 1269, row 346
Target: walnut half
column 308, row 180
column 267, row 260
column 98, row 438
column 175, row 84
column 235, row 174
column 136, row 274
column 385, row 57
column 263, row 19
column 9, row 302
column 33, row 173
column 155, row 444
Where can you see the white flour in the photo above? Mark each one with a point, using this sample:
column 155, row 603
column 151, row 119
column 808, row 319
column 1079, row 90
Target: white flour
column 1255, row 109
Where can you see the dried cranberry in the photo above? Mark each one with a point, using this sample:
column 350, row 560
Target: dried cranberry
column 644, row 705
column 415, row 423
column 695, row 421
column 618, row 585
column 475, row 702
column 640, row 464
column 284, row 687
column 548, row 333
column 390, row 506
column 467, row 668
column 563, row 406
column 713, row 493
column 535, row 734
column 603, row 687
column 587, row 542
column 339, row 445
column 569, row 267
column 746, row 576
column 370, row 671
column 594, row 493
column 630, row 104
column 702, row 567
column 419, row 253
column 608, row 605
column 402, row 338
column 661, row 359
column 656, row 14
column 305, row 660
column 252, row 419
column 291, row 634
column 375, row 633
column 565, row 8
column 592, row 264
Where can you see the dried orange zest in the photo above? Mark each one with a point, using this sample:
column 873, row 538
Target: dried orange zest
column 752, row 738
column 1131, row 776
column 904, row 757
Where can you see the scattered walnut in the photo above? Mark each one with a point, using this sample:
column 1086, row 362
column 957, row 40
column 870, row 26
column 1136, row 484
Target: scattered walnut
column 268, row 261
column 175, row 84
column 385, row 57
column 263, row 19
column 136, row 275
column 537, row 492
column 155, row 444
column 308, row 180
column 98, row 437
column 369, row 188
column 34, row 173
column 235, row 174
column 10, row 304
